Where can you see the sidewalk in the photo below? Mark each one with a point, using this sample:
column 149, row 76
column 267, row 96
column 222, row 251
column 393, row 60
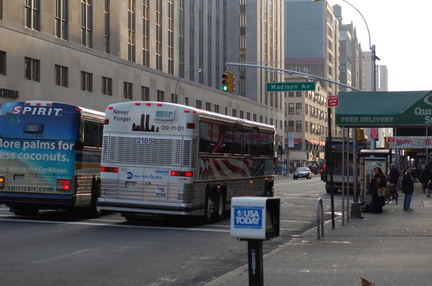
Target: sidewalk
column 392, row 248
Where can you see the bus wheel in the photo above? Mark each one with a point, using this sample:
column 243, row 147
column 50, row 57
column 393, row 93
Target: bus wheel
column 209, row 207
column 24, row 210
column 94, row 211
column 219, row 206
column 214, row 206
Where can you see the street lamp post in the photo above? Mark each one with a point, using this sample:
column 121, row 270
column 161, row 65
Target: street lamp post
column 178, row 81
column 290, row 139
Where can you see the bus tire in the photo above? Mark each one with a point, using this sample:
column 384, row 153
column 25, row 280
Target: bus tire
column 269, row 189
column 219, row 206
column 24, row 210
column 94, row 211
column 208, row 207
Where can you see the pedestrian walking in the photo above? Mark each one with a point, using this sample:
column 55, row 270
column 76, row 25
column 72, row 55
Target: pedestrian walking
column 425, row 177
column 407, row 188
column 393, row 175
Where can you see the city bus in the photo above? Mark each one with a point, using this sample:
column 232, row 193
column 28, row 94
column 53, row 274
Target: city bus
column 49, row 157
column 163, row 159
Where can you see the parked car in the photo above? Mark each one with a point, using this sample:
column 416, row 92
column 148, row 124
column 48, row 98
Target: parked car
column 302, row 172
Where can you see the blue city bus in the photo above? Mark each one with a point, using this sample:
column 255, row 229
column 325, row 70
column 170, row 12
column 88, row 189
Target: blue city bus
column 49, row 156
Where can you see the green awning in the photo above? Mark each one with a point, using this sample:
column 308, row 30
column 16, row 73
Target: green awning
column 384, row 109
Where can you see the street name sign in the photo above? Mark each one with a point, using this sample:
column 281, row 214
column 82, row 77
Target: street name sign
column 290, row 86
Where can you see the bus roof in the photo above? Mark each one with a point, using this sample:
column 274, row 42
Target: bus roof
column 200, row 112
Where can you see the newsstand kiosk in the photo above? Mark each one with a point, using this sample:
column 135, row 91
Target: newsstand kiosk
column 369, row 159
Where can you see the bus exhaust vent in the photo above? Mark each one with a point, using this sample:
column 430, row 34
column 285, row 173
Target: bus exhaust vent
column 135, row 151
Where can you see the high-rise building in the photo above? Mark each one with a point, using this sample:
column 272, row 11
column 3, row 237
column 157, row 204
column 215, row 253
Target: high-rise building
column 94, row 53
column 312, row 40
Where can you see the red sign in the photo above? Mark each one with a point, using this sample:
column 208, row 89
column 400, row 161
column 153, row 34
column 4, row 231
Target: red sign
column 333, row 101
column 374, row 133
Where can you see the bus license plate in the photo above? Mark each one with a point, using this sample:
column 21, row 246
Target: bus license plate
column 18, row 178
column 132, row 185
column 161, row 192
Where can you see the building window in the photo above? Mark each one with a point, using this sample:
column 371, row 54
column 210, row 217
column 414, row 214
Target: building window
column 32, row 69
column 290, row 126
column 198, row 104
column 146, row 33
column 174, row 98
column 1, row 9
column 61, row 75
column 86, row 23
column 298, row 126
column 158, row 34
column 248, row 115
column 170, row 37
column 2, row 62
column 128, row 90
column 234, row 112
column 107, row 26
column 208, row 106
column 32, row 14
column 131, row 31
column 160, row 96
column 145, row 93
column 61, row 19
column 187, row 101
column 216, row 108
column 86, row 81
column 107, row 85
column 298, row 108
column 290, row 108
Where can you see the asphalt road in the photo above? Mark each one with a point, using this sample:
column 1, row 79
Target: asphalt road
column 54, row 248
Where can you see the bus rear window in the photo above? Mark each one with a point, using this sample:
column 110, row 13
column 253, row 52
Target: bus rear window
column 33, row 128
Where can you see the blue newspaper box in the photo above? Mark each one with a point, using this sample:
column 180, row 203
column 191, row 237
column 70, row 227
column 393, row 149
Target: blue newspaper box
column 255, row 217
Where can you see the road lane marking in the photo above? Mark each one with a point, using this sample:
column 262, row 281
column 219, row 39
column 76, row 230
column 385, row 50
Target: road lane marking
column 4, row 218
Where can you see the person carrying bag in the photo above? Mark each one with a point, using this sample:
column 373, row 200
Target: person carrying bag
column 378, row 189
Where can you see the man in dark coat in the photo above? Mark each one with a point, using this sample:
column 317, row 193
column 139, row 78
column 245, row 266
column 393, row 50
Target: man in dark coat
column 393, row 175
column 425, row 177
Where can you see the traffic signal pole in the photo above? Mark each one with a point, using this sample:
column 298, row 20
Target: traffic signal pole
column 292, row 72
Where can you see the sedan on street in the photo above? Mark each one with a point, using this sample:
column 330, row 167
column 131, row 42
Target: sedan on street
column 302, row 172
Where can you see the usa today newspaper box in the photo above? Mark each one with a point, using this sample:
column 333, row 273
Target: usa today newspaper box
column 255, row 217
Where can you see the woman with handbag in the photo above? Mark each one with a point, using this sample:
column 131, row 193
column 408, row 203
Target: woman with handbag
column 378, row 189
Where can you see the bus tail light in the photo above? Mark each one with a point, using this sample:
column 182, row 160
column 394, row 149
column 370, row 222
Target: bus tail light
column 63, row 185
column 190, row 125
column 2, row 182
column 181, row 174
column 109, row 169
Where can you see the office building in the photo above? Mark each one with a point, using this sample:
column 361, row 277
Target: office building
column 94, row 53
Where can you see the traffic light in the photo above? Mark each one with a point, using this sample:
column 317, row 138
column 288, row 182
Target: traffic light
column 228, row 81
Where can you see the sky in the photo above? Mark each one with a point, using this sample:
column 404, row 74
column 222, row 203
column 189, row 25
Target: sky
column 402, row 34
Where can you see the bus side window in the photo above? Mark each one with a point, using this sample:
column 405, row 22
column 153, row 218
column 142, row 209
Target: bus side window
column 205, row 137
column 228, row 140
column 238, row 142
